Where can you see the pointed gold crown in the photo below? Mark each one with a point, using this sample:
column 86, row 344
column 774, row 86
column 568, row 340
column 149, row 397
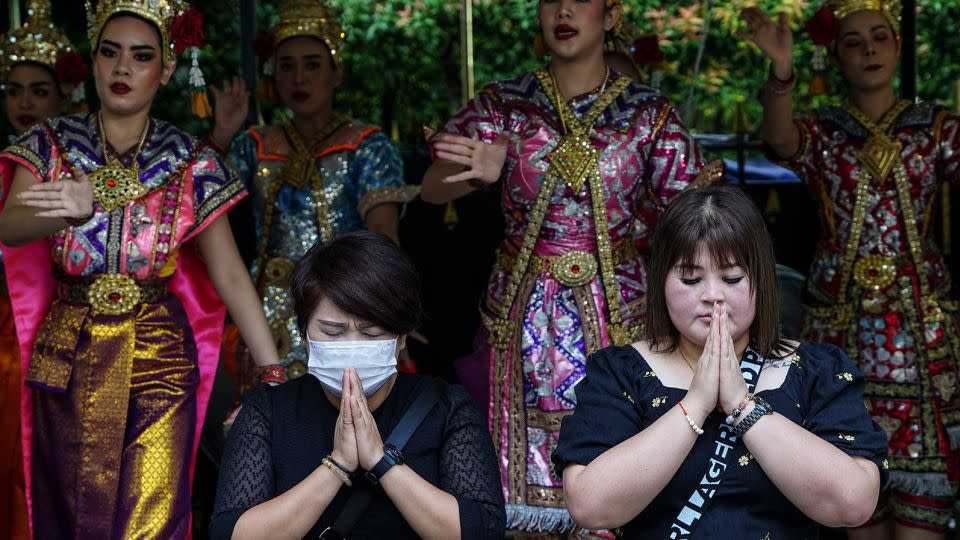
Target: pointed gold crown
column 312, row 18
column 38, row 40
column 158, row 12
column 889, row 8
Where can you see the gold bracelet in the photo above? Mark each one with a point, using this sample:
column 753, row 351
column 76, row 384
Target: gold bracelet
column 328, row 463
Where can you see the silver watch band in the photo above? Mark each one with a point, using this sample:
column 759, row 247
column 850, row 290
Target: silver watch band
column 761, row 407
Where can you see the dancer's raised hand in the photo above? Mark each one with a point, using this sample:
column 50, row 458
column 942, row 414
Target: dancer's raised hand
column 483, row 161
column 775, row 39
column 230, row 107
column 71, row 197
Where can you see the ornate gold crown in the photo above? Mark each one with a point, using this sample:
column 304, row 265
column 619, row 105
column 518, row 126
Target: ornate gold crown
column 159, row 12
column 38, row 40
column 889, row 8
column 311, row 18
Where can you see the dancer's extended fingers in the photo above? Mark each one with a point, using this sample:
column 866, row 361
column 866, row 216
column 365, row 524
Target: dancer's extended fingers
column 455, row 158
column 452, row 138
column 454, row 148
column 47, row 204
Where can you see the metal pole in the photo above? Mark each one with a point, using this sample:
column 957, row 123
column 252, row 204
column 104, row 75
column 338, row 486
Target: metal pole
column 466, row 50
column 908, row 54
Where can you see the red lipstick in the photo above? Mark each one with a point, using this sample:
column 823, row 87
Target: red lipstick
column 119, row 88
column 564, row 32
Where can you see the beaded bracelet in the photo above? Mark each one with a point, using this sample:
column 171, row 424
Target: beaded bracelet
column 272, row 373
column 779, row 87
column 693, row 425
column 340, row 466
column 736, row 412
column 335, row 467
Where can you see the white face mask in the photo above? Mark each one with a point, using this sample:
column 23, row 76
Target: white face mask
column 375, row 361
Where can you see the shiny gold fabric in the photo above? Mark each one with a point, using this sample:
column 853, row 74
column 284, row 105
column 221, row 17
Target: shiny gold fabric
column 121, row 434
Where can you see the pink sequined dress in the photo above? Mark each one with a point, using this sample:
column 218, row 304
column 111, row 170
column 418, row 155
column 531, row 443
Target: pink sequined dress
column 559, row 313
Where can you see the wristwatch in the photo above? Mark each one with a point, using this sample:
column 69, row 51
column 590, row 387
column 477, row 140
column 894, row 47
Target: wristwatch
column 391, row 456
column 760, row 408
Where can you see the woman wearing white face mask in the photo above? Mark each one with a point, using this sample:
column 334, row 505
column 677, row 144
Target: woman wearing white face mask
column 325, row 454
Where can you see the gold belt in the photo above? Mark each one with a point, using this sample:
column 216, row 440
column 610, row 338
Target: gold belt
column 875, row 272
column 113, row 294
column 573, row 268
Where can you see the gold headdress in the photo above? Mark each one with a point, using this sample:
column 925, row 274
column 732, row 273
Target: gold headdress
column 38, row 40
column 890, row 9
column 180, row 27
column 159, row 12
column 312, row 18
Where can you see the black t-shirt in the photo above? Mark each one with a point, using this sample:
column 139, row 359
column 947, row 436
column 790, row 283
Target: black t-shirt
column 621, row 396
column 283, row 432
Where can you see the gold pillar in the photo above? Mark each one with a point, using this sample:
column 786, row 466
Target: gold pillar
column 14, row 12
column 466, row 50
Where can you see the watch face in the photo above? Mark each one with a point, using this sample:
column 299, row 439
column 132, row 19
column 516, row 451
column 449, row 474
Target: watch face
column 394, row 453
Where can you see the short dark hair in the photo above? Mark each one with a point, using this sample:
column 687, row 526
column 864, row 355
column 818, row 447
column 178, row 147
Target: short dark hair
column 364, row 274
column 725, row 221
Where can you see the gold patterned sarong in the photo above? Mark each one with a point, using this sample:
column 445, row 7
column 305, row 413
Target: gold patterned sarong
column 114, row 410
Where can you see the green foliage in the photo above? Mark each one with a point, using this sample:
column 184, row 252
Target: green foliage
column 403, row 56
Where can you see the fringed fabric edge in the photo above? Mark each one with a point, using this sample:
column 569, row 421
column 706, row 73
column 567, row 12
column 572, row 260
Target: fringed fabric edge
column 953, row 434
column 539, row 519
column 921, row 484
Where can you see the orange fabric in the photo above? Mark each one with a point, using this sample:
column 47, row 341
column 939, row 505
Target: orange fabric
column 279, row 146
column 13, row 499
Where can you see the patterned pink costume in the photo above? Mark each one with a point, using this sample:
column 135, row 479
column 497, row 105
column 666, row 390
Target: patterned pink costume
column 577, row 216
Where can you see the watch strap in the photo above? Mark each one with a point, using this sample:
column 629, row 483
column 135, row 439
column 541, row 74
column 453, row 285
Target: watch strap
column 760, row 408
column 388, row 460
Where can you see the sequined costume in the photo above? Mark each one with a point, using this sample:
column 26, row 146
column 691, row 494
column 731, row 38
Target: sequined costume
column 305, row 193
column 119, row 328
column 570, row 252
column 878, row 286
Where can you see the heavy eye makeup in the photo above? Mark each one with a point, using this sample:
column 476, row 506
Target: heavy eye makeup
column 141, row 53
